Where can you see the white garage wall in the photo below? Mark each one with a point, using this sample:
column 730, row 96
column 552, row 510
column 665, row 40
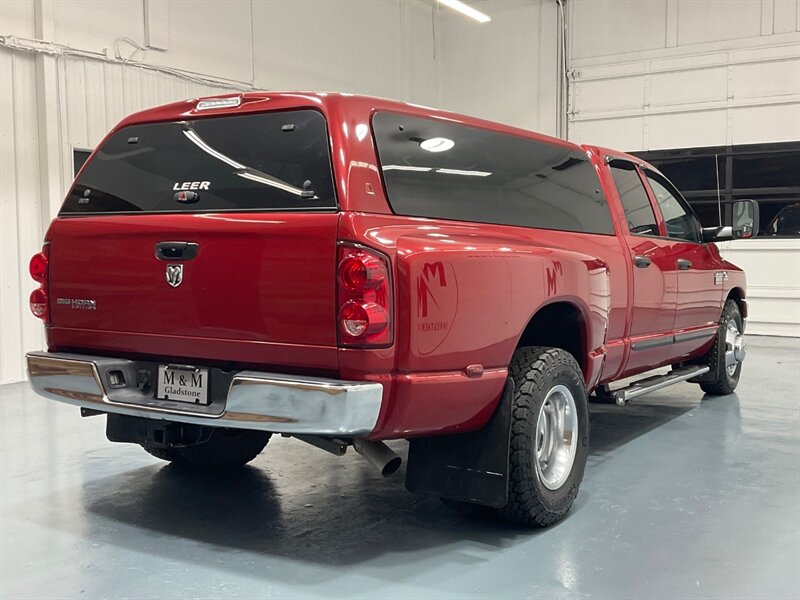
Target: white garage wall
column 91, row 97
column 654, row 74
column 76, row 86
column 773, row 283
column 506, row 71
column 21, row 212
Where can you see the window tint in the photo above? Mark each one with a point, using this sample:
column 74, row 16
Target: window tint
column 443, row 170
column 680, row 222
column 268, row 161
column 638, row 210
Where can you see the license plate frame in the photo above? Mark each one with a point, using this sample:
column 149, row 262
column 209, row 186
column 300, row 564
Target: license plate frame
column 183, row 383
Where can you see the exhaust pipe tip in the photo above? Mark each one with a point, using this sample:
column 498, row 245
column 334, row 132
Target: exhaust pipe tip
column 379, row 455
column 390, row 467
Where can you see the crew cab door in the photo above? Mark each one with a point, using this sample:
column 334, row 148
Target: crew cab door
column 699, row 298
column 653, row 273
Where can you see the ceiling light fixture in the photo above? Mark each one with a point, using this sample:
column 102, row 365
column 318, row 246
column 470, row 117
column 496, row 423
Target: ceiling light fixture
column 406, row 168
column 437, row 144
column 466, row 10
column 463, row 172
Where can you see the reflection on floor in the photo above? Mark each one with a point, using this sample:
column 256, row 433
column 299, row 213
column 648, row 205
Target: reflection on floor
column 683, row 497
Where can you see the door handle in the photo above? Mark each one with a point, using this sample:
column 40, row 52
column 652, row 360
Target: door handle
column 641, row 261
column 176, row 250
column 684, row 264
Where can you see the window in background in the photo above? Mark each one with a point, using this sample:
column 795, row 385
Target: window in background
column 79, row 156
column 768, row 173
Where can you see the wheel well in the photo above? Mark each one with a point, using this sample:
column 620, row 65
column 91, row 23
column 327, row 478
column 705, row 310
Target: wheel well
column 738, row 296
column 558, row 325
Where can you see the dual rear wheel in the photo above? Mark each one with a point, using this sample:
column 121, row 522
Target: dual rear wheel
column 550, row 423
column 549, row 437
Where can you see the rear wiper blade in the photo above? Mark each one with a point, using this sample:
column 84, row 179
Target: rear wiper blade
column 266, row 179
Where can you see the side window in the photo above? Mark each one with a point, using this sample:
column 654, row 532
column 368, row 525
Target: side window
column 439, row 169
column 638, row 210
column 680, row 221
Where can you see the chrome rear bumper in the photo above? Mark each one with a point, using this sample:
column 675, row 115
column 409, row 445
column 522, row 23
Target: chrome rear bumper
column 255, row 400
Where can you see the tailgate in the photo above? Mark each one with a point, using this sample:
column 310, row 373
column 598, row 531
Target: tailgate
column 254, row 278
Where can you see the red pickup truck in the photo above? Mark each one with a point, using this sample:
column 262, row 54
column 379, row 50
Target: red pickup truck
column 347, row 270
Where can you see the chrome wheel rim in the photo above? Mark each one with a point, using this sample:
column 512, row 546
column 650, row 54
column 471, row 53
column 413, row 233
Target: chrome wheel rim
column 556, row 437
column 734, row 347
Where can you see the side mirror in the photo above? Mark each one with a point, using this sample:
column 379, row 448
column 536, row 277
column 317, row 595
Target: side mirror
column 745, row 219
column 717, row 234
column 744, row 224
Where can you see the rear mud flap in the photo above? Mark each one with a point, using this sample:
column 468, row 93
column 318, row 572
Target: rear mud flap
column 470, row 467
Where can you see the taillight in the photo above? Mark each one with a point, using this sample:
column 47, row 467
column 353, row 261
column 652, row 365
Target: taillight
column 38, row 267
column 365, row 298
column 38, row 302
column 39, row 270
column 362, row 272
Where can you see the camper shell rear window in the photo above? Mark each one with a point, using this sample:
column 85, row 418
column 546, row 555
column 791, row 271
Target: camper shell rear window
column 275, row 161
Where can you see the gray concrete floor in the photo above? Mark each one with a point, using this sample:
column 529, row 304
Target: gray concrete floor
column 684, row 497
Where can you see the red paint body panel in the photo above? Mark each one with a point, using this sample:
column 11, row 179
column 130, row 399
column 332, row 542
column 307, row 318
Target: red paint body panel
column 465, row 292
column 267, row 356
column 262, row 291
column 249, row 281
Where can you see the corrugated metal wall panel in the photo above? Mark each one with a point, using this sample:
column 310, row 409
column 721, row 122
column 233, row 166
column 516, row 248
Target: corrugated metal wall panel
column 92, row 97
column 20, row 220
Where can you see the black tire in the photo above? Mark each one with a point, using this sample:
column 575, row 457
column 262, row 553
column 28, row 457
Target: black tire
column 536, row 371
column 467, row 509
column 718, row 381
column 167, row 454
column 225, row 449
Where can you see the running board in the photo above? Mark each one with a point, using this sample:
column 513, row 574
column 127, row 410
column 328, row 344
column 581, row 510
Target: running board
column 657, row 382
